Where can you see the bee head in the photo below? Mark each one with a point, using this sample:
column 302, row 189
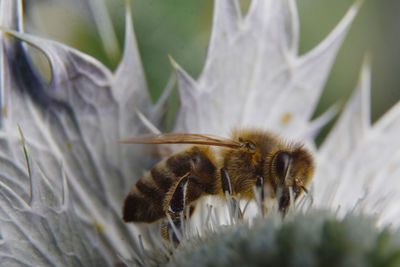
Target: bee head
column 291, row 172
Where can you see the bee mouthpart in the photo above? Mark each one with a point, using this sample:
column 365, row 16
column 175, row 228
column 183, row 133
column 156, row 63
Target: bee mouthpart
column 284, row 202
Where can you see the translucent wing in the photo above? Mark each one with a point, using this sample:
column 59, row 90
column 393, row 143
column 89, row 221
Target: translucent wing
column 182, row 138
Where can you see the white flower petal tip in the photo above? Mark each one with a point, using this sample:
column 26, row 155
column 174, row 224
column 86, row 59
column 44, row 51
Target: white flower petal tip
column 160, row 108
column 358, row 163
column 253, row 77
column 335, row 154
column 183, row 77
column 317, row 124
column 186, row 84
column 226, row 22
column 365, row 88
column 130, row 65
column 356, row 113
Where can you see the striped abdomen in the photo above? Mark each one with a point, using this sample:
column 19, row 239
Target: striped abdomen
column 147, row 200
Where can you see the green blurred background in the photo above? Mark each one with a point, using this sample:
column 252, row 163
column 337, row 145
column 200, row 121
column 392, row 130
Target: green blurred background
column 182, row 28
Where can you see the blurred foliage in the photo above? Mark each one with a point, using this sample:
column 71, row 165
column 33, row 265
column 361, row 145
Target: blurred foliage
column 182, row 28
column 374, row 31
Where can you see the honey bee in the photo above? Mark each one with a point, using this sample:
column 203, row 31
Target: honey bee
column 215, row 165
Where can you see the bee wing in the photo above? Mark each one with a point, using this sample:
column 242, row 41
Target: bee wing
column 182, row 138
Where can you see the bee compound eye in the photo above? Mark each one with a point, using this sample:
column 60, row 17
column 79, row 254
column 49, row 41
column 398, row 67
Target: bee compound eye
column 281, row 165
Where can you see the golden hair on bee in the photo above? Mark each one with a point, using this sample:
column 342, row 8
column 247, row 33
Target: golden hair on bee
column 215, row 165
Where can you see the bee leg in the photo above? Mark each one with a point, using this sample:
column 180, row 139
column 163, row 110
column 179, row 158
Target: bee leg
column 227, row 188
column 226, row 181
column 175, row 209
column 260, row 188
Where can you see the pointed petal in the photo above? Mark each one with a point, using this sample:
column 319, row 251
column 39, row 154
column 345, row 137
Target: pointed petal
column 70, row 128
column 129, row 83
column 73, row 122
column 345, row 157
column 189, row 92
column 317, row 124
column 256, row 79
column 354, row 120
column 307, row 77
column 226, row 22
column 235, row 71
column 277, row 23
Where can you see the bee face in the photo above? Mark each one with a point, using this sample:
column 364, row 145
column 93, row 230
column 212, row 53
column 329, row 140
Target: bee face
column 290, row 170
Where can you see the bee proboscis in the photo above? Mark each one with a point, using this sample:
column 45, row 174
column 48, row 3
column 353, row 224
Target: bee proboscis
column 215, row 165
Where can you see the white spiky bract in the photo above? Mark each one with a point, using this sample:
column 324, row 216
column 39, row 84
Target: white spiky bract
column 71, row 129
column 253, row 75
column 358, row 164
column 63, row 176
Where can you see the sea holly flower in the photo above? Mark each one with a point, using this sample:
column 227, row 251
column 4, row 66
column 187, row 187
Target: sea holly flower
column 63, row 175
